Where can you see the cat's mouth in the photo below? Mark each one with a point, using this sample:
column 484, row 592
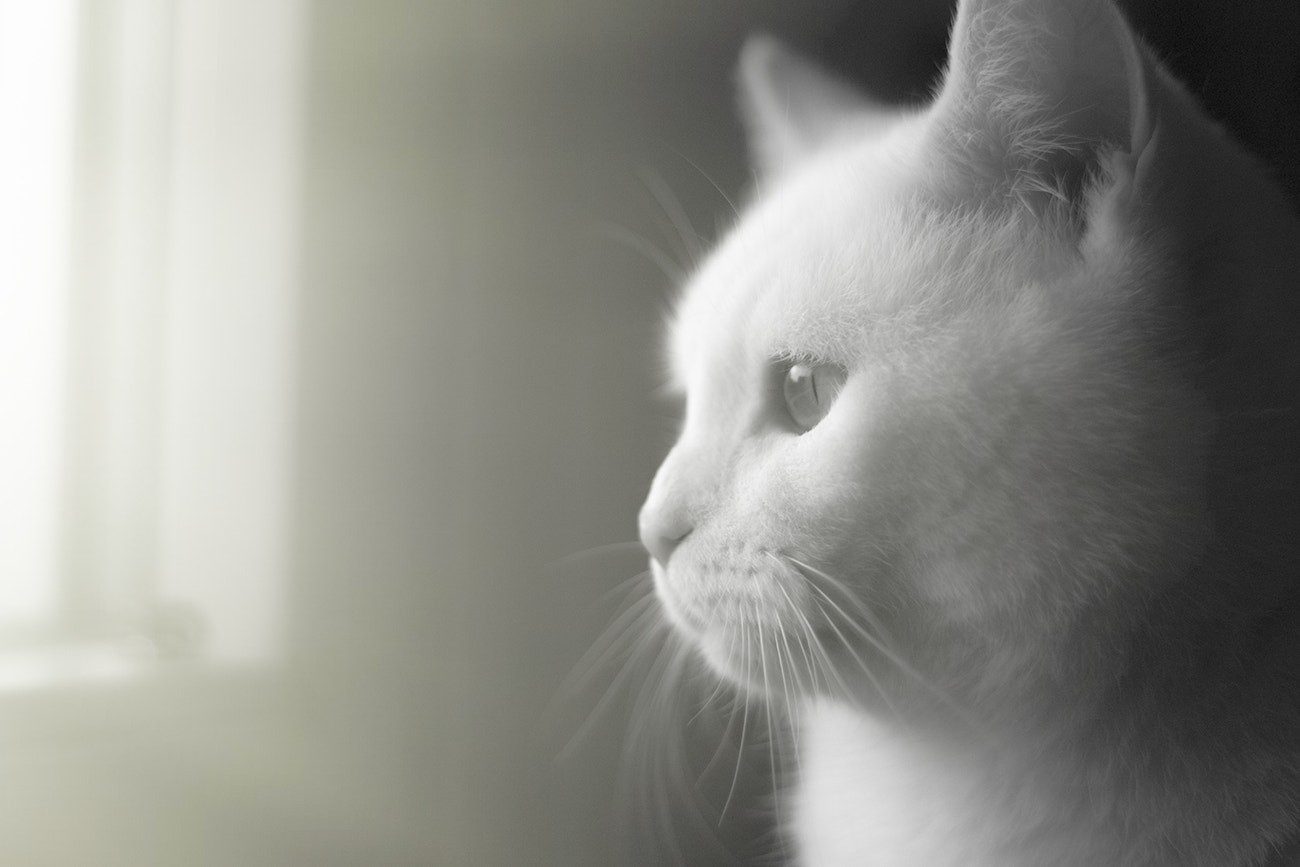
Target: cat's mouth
column 751, row 626
column 724, row 598
column 787, row 632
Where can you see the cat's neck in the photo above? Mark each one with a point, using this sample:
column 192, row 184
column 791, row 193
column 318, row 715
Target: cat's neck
column 1128, row 770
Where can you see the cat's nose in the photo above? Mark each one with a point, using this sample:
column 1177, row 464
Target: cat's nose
column 661, row 531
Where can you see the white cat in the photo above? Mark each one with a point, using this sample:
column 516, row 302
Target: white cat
column 990, row 469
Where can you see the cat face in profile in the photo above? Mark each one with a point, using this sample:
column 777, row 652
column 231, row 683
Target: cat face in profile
column 962, row 449
column 928, row 408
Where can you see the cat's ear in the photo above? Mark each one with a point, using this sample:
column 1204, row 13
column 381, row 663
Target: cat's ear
column 792, row 107
column 1039, row 92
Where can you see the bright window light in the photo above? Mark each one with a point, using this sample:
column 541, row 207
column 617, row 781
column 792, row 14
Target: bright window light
column 146, row 331
column 37, row 66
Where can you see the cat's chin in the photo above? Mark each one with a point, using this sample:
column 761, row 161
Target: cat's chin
column 741, row 643
column 753, row 669
column 722, row 659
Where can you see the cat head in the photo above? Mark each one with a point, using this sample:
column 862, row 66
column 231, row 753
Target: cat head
column 938, row 436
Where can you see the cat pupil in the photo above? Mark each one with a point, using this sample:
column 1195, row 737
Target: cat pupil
column 809, row 391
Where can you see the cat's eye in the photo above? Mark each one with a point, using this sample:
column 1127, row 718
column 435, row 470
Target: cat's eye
column 809, row 391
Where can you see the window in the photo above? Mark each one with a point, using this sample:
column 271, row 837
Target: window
column 147, row 239
column 36, row 75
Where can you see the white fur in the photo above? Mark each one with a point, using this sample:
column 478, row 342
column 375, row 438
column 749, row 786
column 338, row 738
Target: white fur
column 1031, row 583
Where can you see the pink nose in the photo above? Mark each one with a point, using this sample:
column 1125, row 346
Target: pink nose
column 661, row 533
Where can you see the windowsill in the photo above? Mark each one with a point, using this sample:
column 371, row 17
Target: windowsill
column 35, row 669
column 160, row 764
column 75, row 695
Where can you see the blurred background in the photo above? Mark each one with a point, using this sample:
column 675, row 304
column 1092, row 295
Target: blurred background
column 329, row 344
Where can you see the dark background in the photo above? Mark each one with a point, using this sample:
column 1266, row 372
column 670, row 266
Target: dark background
column 483, row 350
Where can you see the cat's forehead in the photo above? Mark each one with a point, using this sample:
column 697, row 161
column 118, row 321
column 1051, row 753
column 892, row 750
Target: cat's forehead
column 787, row 253
column 825, row 257
column 855, row 252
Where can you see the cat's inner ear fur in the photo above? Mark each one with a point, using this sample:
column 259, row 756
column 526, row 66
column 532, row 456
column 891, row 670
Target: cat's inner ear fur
column 793, row 108
column 1037, row 94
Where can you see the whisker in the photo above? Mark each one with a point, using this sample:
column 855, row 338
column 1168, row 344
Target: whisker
column 619, row 631
column 744, row 727
column 737, row 702
column 829, row 669
column 882, row 641
column 855, row 600
column 655, row 702
column 883, row 648
column 726, row 198
column 611, row 692
column 718, row 682
column 651, row 691
column 806, row 631
column 577, row 558
column 673, row 272
column 767, row 703
column 725, row 739
column 617, row 596
column 717, row 690
column 672, row 207
column 772, row 732
column 877, row 642
column 789, row 654
column 620, row 594
column 862, row 665
column 813, row 650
